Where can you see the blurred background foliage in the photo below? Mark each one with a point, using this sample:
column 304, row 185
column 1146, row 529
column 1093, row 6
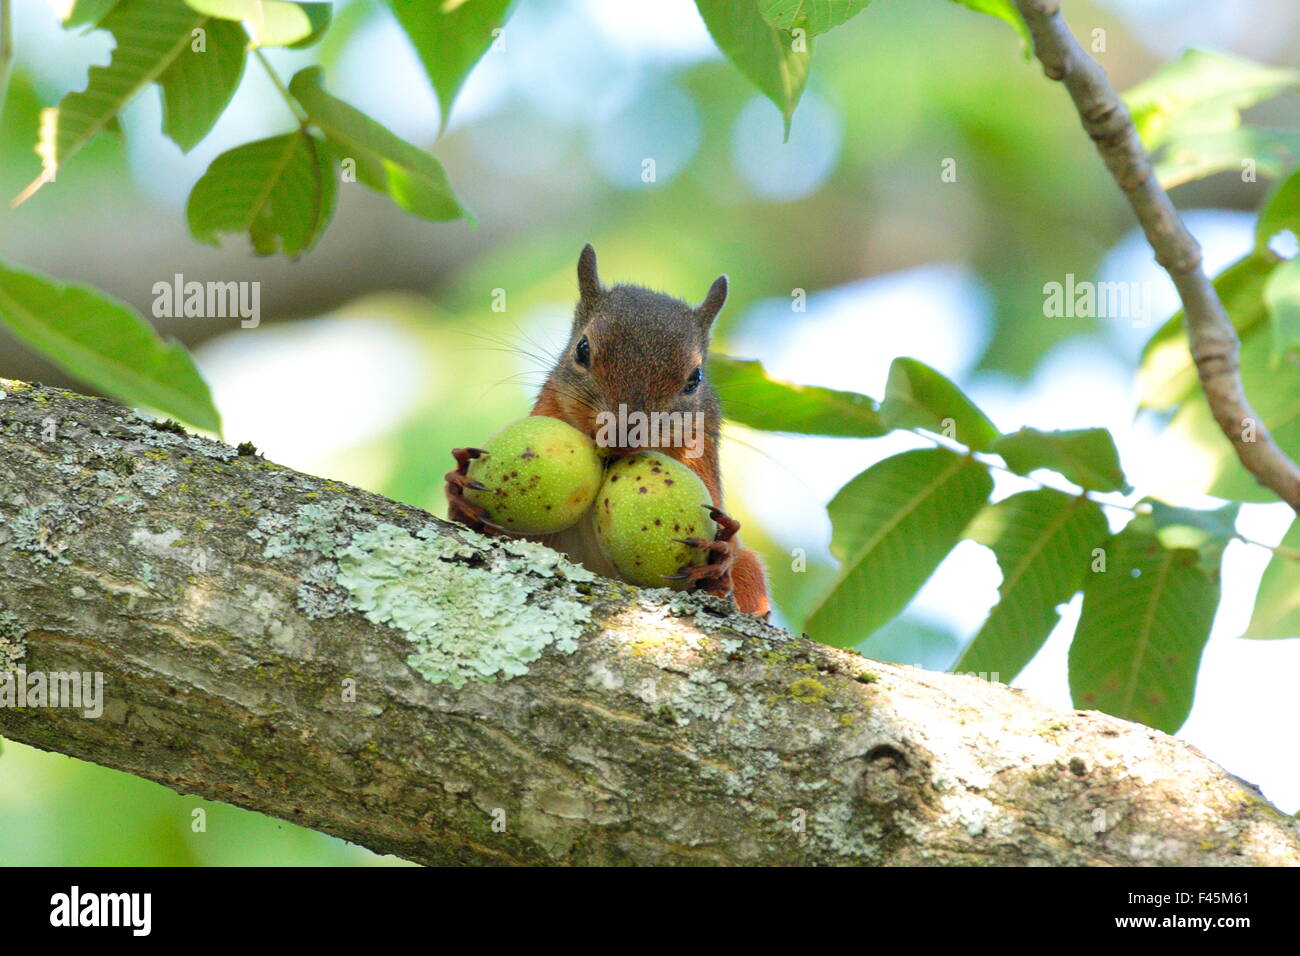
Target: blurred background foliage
column 380, row 350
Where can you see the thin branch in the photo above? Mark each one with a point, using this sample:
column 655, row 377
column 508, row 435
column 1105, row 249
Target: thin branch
column 1212, row 338
column 279, row 85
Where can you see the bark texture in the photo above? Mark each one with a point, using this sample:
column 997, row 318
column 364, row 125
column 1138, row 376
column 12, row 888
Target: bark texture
column 1211, row 335
column 295, row 646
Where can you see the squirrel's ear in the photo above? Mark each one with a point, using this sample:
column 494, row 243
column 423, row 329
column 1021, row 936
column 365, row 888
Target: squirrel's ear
column 708, row 309
column 589, row 286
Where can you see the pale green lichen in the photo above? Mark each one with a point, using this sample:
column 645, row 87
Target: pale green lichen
column 12, row 640
column 37, row 530
column 840, row 829
column 702, row 696
column 319, row 596
column 466, row 623
column 152, row 479
column 314, row 527
column 711, row 613
column 211, row 449
column 152, row 434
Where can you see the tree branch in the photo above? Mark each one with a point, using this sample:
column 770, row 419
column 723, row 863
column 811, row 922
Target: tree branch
column 1211, row 335
column 296, row 646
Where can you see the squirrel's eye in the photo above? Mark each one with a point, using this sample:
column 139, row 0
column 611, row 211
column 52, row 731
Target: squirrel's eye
column 582, row 354
column 693, row 381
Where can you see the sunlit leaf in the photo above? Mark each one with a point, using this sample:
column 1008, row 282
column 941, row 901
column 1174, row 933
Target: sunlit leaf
column 1086, row 456
column 272, row 22
column 1005, row 11
column 751, row 397
column 1281, row 211
column 279, row 191
column 774, row 60
column 1144, row 624
column 83, row 12
column 450, row 38
column 1043, row 541
column 1282, row 296
column 815, row 16
column 1270, row 153
column 916, row 396
column 893, row 524
column 1202, row 92
column 104, row 344
column 1206, row 530
column 385, row 162
column 1277, row 606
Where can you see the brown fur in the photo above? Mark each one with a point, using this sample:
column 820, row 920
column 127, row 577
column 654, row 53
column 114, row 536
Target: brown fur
column 643, row 346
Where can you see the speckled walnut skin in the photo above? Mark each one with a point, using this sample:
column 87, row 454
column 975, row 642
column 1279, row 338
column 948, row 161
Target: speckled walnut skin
column 231, row 603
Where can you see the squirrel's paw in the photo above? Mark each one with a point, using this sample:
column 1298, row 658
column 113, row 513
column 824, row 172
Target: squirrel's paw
column 714, row 576
column 458, row 507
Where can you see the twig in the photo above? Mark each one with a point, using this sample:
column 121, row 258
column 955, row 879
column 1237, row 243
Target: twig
column 299, row 115
column 1212, row 338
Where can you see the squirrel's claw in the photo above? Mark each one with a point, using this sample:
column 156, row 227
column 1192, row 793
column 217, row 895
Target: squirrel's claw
column 458, row 507
column 714, row 576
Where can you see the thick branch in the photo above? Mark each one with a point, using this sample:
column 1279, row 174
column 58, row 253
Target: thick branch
column 299, row 647
column 1212, row 338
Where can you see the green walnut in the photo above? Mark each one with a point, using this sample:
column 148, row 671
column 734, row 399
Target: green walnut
column 647, row 500
column 540, row 476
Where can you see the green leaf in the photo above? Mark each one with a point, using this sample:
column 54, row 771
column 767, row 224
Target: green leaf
column 893, row 524
column 1281, row 212
column 774, row 60
column 1282, row 296
column 1086, row 456
column 151, row 35
column 106, row 345
column 815, row 16
column 1208, row 531
column 1167, row 376
column 198, row 85
column 751, row 397
column 1202, row 92
column 1272, row 151
column 450, row 38
column 1277, row 606
column 1145, row 622
column 83, row 12
column 1043, row 541
column 1005, row 11
column 411, row 177
column 280, row 191
column 916, row 396
column 272, row 22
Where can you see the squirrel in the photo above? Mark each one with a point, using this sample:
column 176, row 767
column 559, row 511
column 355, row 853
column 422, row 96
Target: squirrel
column 645, row 351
